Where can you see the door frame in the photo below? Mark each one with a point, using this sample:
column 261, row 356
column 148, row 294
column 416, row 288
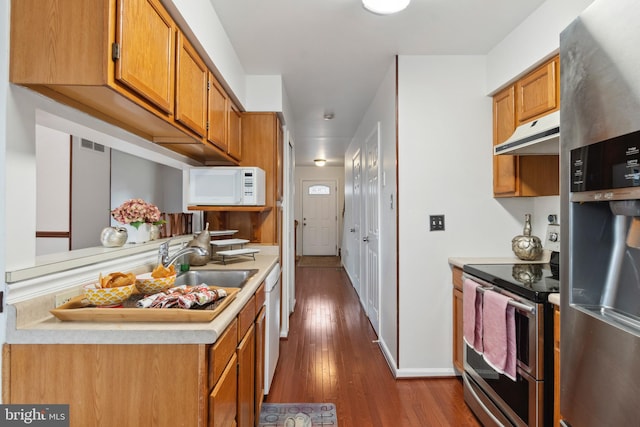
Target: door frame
column 334, row 184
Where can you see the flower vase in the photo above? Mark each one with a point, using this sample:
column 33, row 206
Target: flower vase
column 138, row 235
column 155, row 232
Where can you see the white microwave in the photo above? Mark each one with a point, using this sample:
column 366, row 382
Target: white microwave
column 227, row 186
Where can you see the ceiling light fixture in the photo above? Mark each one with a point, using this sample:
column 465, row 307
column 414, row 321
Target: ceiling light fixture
column 385, row 7
column 320, row 162
column 328, row 116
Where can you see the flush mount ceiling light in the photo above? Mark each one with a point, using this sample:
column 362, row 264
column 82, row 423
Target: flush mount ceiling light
column 320, row 162
column 328, row 116
column 385, row 7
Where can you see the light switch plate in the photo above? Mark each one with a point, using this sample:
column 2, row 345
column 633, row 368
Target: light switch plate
column 436, row 222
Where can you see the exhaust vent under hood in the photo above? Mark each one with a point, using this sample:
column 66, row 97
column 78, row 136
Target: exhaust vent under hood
column 539, row 137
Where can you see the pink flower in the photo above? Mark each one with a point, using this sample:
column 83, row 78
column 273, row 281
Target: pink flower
column 136, row 212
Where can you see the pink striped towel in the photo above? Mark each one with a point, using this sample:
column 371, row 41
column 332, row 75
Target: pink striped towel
column 472, row 315
column 499, row 333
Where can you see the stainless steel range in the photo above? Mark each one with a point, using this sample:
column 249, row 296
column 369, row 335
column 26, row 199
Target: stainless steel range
column 496, row 399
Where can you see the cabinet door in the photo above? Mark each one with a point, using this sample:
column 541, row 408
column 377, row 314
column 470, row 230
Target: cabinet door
column 504, row 123
column 260, row 339
column 222, row 400
column 191, row 87
column 145, row 34
column 458, row 337
column 458, row 343
column 235, row 133
column 218, row 113
column 538, row 92
column 246, row 379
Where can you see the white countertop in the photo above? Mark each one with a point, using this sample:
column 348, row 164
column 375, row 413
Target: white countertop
column 461, row 261
column 30, row 322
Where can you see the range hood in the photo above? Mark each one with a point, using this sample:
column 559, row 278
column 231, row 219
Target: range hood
column 539, row 137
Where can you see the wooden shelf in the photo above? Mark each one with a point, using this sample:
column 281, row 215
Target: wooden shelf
column 230, row 208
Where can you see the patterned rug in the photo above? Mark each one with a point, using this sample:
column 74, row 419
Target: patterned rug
column 320, row 261
column 274, row 414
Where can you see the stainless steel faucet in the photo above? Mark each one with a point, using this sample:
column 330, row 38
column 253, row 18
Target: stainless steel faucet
column 166, row 260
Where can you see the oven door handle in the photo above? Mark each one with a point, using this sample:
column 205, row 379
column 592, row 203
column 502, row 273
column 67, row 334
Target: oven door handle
column 486, row 286
column 477, row 399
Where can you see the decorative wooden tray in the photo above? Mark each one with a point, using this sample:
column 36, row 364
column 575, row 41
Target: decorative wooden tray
column 79, row 309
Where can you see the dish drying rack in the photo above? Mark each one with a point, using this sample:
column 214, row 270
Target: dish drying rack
column 231, row 252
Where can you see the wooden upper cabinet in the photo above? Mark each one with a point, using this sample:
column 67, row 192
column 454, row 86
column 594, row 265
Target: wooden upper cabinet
column 504, row 123
column 144, row 50
column 234, row 148
column 191, row 87
column 218, row 114
column 120, row 61
column 539, row 92
column 531, row 97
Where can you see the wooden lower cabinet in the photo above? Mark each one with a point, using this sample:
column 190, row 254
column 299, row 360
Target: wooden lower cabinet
column 458, row 338
column 147, row 385
column 111, row 385
column 222, row 400
column 246, row 379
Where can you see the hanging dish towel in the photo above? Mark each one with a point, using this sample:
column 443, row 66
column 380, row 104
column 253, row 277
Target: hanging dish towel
column 472, row 315
column 499, row 333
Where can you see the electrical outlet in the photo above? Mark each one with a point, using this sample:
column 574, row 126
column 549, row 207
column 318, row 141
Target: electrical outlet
column 64, row 297
column 436, row 222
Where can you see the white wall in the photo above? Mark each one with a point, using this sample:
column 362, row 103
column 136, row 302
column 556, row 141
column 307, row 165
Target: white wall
column 53, row 164
column 135, row 177
column 536, row 39
column 305, row 173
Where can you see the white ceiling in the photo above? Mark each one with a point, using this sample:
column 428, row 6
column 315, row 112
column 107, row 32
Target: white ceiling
column 333, row 54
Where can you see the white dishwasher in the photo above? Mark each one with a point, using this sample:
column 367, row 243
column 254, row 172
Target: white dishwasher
column 272, row 322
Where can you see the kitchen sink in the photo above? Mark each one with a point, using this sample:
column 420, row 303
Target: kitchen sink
column 223, row 278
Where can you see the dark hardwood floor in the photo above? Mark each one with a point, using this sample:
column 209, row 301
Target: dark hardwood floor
column 331, row 356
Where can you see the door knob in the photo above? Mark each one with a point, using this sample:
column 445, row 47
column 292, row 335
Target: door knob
column 365, row 239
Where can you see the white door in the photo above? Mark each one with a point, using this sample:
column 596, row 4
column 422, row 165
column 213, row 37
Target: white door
column 319, row 218
column 371, row 235
column 354, row 231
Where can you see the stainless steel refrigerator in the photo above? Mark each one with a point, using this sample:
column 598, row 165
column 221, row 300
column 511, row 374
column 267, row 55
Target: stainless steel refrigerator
column 600, row 215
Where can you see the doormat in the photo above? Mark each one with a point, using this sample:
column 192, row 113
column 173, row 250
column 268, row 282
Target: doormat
column 274, row 414
column 320, row 261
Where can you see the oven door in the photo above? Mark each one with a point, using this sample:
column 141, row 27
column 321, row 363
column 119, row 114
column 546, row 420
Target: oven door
column 498, row 400
column 530, row 338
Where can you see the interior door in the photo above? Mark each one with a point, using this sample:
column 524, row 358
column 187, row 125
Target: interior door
column 319, row 218
column 354, row 231
column 372, row 232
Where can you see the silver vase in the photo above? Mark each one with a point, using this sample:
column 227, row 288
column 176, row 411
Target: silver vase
column 113, row 237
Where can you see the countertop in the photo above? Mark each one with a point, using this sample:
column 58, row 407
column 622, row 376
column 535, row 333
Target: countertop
column 461, row 261
column 30, row 322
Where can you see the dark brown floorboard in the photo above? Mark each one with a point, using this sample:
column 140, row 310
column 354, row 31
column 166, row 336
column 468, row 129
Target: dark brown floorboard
column 331, row 356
